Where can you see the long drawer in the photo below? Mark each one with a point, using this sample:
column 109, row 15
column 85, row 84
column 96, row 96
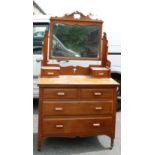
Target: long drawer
column 58, row 93
column 70, row 93
column 59, row 108
column 77, row 125
column 96, row 94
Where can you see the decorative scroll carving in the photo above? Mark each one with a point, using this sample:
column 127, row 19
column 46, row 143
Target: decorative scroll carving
column 74, row 70
column 81, row 16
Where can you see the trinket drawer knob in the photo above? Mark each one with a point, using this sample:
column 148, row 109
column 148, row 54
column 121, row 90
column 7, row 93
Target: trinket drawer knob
column 61, row 93
column 100, row 73
column 59, row 126
column 50, row 73
column 96, row 124
column 98, row 108
column 97, row 93
column 58, row 108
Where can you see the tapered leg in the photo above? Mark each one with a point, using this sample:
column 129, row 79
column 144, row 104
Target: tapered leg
column 39, row 141
column 39, row 145
column 112, row 143
column 40, row 122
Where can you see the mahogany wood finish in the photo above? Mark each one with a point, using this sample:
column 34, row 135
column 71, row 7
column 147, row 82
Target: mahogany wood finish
column 71, row 106
column 75, row 100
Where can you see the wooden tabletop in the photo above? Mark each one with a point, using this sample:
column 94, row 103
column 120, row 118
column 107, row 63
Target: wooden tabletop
column 76, row 80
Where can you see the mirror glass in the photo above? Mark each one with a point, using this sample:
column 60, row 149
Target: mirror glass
column 75, row 41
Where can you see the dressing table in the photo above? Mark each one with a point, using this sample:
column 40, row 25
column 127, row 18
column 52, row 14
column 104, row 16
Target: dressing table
column 76, row 101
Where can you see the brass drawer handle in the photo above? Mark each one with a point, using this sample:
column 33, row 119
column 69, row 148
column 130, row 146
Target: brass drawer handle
column 100, row 73
column 97, row 93
column 50, row 73
column 58, row 108
column 59, row 126
column 61, row 93
column 96, row 124
column 98, row 108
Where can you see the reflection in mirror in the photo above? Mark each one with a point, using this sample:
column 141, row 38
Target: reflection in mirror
column 74, row 41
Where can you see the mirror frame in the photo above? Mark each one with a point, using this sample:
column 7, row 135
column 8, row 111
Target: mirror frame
column 81, row 21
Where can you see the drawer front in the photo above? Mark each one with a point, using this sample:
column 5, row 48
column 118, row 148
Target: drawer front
column 75, row 108
column 49, row 93
column 50, row 73
column 76, row 125
column 96, row 93
column 101, row 74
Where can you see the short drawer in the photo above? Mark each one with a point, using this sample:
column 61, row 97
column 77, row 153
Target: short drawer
column 51, row 93
column 96, row 94
column 76, row 108
column 100, row 72
column 63, row 126
column 50, row 73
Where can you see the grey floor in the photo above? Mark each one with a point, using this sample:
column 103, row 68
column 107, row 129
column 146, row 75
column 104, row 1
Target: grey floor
column 77, row 146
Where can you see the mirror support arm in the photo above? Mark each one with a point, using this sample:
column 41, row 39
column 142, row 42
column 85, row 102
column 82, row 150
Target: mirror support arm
column 44, row 49
column 105, row 61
